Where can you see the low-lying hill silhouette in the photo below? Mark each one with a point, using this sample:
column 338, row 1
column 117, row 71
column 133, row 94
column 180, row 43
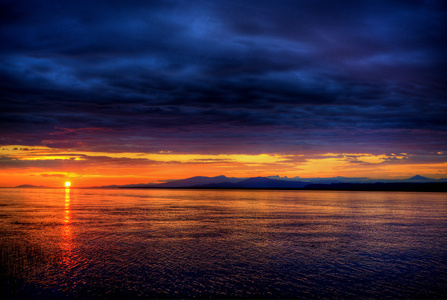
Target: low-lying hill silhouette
column 31, row 186
column 415, row 183
column 383, row 186
column 257, row 182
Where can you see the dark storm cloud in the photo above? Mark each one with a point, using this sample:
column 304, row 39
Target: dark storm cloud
column 224, row 76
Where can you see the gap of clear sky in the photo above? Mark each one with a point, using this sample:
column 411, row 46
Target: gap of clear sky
column 121, row 92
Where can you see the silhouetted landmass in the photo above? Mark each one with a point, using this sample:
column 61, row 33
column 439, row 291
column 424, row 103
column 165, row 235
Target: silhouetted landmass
column 323, row 180
column 419, row 177
column 30, row 186
column 199, row 180
column 415, row 183
column 256, row 182
column 188, row 182
column 271, row 181
column 379, row 186
column 400, row 186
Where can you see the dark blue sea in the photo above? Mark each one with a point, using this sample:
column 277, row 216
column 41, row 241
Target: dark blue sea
column 147, row 243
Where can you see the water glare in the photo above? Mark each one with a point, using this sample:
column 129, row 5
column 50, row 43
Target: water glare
column 67, row 237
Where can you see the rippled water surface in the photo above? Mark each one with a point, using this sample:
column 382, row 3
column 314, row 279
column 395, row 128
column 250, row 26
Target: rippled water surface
column 144, row 243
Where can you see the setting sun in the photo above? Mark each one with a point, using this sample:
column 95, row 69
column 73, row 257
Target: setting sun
column 67, row 183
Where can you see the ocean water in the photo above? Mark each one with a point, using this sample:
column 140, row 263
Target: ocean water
column 145, row 243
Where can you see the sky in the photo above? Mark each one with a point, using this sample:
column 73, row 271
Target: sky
column 120, row 92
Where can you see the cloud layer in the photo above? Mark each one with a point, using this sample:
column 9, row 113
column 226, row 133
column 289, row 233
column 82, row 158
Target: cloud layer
column 212, row 77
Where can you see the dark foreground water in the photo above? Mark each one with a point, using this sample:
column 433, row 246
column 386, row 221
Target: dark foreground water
column 146, row 243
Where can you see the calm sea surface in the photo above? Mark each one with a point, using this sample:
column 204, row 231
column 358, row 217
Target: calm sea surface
column 143, row 243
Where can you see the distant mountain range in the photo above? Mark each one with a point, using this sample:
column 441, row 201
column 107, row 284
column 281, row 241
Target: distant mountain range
column 256, row 182
column 415, row 183
column 32, row 186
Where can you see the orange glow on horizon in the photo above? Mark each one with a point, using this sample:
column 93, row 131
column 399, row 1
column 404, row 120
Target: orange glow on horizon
column 44, row 166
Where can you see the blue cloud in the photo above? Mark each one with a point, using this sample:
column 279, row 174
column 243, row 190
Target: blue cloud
column 277, row 76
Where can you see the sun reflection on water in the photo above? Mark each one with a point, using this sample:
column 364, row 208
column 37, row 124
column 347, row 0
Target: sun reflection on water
column 67, row 235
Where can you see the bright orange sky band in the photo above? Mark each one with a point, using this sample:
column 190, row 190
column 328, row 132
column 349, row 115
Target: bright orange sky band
column 52, row 167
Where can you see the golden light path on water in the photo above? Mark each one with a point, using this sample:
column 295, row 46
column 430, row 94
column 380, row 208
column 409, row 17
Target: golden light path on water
column 67, row 235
